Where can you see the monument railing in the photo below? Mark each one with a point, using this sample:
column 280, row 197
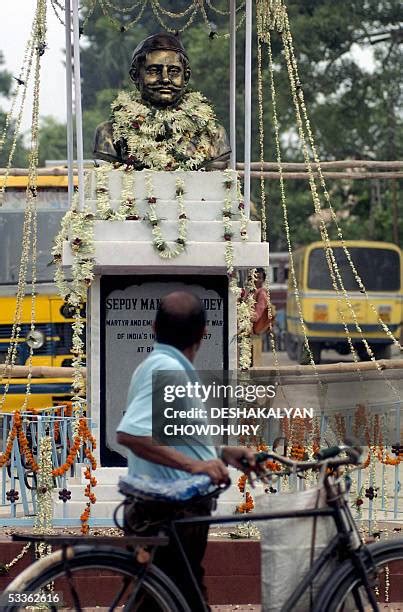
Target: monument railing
column 378, row 487
column 18, row 490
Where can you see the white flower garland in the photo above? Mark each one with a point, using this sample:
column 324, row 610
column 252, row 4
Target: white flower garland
column 128, row 207
column 168, row 138
column 245, row 306
column 159, row 242
column 244, row 218
column 43, row 522
column 78, row 228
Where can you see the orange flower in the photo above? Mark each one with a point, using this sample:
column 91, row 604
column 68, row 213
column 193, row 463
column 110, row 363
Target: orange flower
column 242, row 482
column 273, row 466
column 247, row 505
column 297, row 452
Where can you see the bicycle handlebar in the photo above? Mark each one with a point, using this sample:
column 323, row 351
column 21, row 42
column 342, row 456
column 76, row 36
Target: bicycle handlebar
column 328, row 456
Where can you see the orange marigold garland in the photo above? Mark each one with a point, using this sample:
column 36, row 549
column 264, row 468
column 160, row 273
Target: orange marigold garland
column 26, row 451
column 242, row 483
column 84, row 518
column 273, row 466
column 18, row 432
column 5, row 457
column 247, row 505
column 83, row 437
column 88, row 437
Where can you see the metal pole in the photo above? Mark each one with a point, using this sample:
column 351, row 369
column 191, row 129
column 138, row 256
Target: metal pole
column 69, row 100
column 248, row 103
column 232, row 83
column 77, row 99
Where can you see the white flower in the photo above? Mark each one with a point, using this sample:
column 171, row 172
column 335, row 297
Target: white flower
column 184, row 144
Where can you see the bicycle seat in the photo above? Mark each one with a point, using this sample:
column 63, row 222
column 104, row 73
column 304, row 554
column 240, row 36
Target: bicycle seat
column 153, row 489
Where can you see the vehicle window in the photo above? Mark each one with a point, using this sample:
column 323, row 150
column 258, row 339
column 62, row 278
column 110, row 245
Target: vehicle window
column 51, row 206
column 379, row 269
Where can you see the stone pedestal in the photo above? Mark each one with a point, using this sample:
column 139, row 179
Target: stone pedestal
column 130, row 277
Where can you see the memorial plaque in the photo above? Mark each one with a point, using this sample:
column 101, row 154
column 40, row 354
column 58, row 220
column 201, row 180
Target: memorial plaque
column 128, row 309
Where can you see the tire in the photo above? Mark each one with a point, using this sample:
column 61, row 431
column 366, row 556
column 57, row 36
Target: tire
column 303, row 355
column 161, row 593
column 382, row 351
column 338, row 594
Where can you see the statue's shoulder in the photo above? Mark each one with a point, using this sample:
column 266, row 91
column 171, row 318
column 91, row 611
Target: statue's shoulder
column 221, row 147
column 104, row 145
column 103, row 142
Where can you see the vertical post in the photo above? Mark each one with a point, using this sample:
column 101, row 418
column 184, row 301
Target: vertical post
column 397, row 476
column 69, row 100
column 232, row 84
column 395, row 212
column 77, row 100
column 248, row 103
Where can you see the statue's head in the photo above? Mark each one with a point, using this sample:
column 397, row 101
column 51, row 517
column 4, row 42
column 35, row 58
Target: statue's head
column 160, row 69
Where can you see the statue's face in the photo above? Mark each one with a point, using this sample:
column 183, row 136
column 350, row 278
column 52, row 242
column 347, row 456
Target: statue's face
column 162, row 79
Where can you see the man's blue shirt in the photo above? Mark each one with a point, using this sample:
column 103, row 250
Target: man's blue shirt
column 137, row 420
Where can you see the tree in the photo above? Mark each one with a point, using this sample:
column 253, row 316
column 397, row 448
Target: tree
column 52, row 140
column 355, row 109
column 20, row 153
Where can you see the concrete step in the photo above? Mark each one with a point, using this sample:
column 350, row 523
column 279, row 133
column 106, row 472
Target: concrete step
column 102, row 492
column 105, row 475
column 197, row 231
column 74, row 509
column 197, row 256
column 105, row 508
column 196, row 210
column 200, row 186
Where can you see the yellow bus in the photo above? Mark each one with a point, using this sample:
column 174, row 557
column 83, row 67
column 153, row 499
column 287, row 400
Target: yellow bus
column 379, row 266
column 53, row 317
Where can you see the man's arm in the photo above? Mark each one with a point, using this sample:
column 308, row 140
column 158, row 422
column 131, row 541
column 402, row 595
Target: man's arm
column 260, row 305
column 242, row 458
column 146, row 448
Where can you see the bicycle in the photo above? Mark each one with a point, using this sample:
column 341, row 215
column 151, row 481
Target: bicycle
column 360, row 571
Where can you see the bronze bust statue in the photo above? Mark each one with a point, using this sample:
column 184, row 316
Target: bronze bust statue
column 161, row 125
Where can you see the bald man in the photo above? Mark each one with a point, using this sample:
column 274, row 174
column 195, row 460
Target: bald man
column 179, row 327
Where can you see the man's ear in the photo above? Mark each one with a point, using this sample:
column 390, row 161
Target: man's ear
column 187, row 73
column 133, row 76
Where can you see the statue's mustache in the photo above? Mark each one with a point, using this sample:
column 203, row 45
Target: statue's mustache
column 162, row 86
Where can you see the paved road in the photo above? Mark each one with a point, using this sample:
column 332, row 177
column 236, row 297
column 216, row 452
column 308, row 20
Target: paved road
column 328, row 357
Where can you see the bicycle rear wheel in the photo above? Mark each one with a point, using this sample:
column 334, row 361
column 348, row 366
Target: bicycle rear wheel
column 104, row 577
column 345, row 592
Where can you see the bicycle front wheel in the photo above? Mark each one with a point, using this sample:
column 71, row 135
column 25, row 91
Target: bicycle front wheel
column 345, row 591
column 103, row 577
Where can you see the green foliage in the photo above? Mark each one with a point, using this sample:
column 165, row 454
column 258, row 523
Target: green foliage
column 355, row 108
column 52, row 140
column 5, row 91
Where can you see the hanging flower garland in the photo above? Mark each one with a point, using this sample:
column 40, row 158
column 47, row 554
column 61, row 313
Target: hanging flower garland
column 128, row 207
column 245, row 300
column 17, row 432
column 245, row 317
column 165, row 139
column 78, row 229
column 46, row 472
column 159, row 242
column 44, row 517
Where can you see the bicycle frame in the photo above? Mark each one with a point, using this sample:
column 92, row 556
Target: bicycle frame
column 346, row 530
column 346, row 543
